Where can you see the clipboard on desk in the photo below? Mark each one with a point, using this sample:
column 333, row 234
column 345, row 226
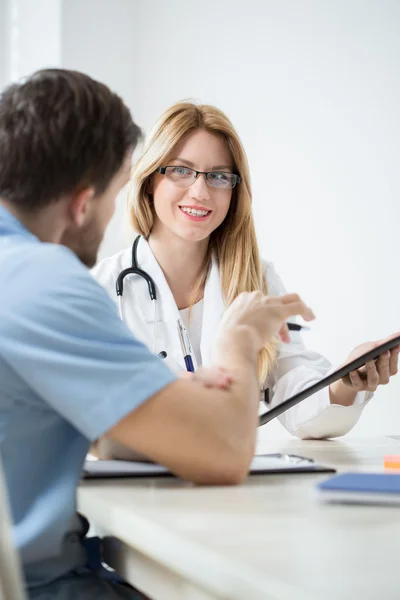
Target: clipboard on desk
column 319, row 385
column 263, row 464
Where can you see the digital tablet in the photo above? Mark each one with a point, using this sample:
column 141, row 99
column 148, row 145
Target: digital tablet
column 316, row 387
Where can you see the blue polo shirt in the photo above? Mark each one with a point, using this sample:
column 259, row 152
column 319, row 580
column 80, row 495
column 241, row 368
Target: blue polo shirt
column 69, row 371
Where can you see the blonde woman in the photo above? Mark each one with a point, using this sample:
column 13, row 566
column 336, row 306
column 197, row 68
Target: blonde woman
column 190, row 201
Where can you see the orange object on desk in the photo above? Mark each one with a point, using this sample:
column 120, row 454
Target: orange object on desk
column 392, row 462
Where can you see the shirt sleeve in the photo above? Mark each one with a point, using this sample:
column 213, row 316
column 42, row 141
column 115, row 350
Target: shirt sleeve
column 63, row 337
column 297, row 368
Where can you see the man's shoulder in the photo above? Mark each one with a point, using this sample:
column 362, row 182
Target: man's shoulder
column 31, row 256
column 44, row 275
column 57, row 254
column 47, row 265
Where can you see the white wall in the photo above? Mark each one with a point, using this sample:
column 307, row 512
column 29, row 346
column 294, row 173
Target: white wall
column 313, row 87
column 100, row 37
column 3, row 43
column 33, row 36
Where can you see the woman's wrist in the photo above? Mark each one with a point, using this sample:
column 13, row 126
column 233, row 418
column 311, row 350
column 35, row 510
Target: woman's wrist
column 342, row 394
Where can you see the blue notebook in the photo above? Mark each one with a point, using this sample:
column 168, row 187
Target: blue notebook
column 362, row 488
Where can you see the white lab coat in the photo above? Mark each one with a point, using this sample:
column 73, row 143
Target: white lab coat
column 296, row 366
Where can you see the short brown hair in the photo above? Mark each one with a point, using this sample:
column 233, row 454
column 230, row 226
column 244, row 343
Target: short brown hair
column 60, row 131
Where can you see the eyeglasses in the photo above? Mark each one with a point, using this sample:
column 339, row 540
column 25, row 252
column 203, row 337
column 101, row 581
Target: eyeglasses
column 185, row 177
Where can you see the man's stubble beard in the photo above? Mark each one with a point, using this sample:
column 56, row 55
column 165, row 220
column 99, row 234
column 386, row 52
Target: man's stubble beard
column 84, row 242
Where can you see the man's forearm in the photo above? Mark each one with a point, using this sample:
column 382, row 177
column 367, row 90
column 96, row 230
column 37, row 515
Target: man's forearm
column 237, row 354
column 201, row 434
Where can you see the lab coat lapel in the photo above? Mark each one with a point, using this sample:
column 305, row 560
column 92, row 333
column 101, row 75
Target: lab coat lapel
column 213, row 309
column 167, row 309
column 168, row 313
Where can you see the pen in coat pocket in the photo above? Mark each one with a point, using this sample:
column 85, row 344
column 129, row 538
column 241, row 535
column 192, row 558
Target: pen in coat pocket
column 185, row 348
column 186, row 352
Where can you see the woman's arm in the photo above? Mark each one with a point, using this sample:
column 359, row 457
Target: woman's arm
column 296, row 368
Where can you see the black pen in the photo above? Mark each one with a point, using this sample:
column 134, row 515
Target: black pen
column 297, row 327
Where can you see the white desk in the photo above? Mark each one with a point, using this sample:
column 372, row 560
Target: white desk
column 269, row 539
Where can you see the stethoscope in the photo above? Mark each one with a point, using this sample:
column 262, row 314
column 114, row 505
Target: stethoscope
column 119, row 286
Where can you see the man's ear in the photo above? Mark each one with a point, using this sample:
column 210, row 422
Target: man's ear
column 80, row 205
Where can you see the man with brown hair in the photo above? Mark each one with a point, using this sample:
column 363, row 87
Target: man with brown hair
column 70, row 370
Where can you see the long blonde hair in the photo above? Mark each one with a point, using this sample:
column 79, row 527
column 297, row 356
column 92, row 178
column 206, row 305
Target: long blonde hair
column 234, row 242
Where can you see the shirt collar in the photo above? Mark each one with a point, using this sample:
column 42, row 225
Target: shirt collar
column 10, row 224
